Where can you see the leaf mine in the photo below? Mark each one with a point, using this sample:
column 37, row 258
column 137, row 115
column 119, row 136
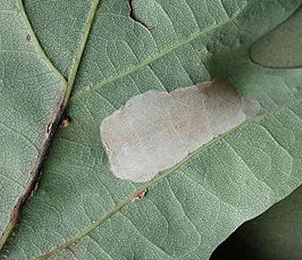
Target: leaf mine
column 156, row 130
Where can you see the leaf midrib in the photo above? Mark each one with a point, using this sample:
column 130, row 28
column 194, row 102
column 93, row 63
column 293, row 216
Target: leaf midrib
column 67, row 86
column 70, row 83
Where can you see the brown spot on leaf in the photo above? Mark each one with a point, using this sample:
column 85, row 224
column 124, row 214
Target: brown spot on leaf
column 141, row 195
column 65, row 122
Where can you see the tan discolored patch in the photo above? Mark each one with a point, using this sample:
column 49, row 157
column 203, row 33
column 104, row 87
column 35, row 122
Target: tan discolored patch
column 156, row 130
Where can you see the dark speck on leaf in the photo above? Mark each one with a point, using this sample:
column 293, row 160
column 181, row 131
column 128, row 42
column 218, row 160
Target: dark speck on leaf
column 65, row 122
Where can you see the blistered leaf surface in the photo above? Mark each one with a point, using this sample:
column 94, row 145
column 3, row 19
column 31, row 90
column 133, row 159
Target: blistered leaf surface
column 156, row 130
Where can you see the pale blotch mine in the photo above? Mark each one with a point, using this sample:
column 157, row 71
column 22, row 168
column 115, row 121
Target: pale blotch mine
column 156, row 130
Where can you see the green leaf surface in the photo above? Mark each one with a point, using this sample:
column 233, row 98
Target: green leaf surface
column 81, row 211
column 281, row 47
column 30, row 91
column 274, row 235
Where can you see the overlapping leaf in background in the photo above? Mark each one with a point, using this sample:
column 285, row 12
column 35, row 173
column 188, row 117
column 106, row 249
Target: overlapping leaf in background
column 275, row 234
column 190, row 209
